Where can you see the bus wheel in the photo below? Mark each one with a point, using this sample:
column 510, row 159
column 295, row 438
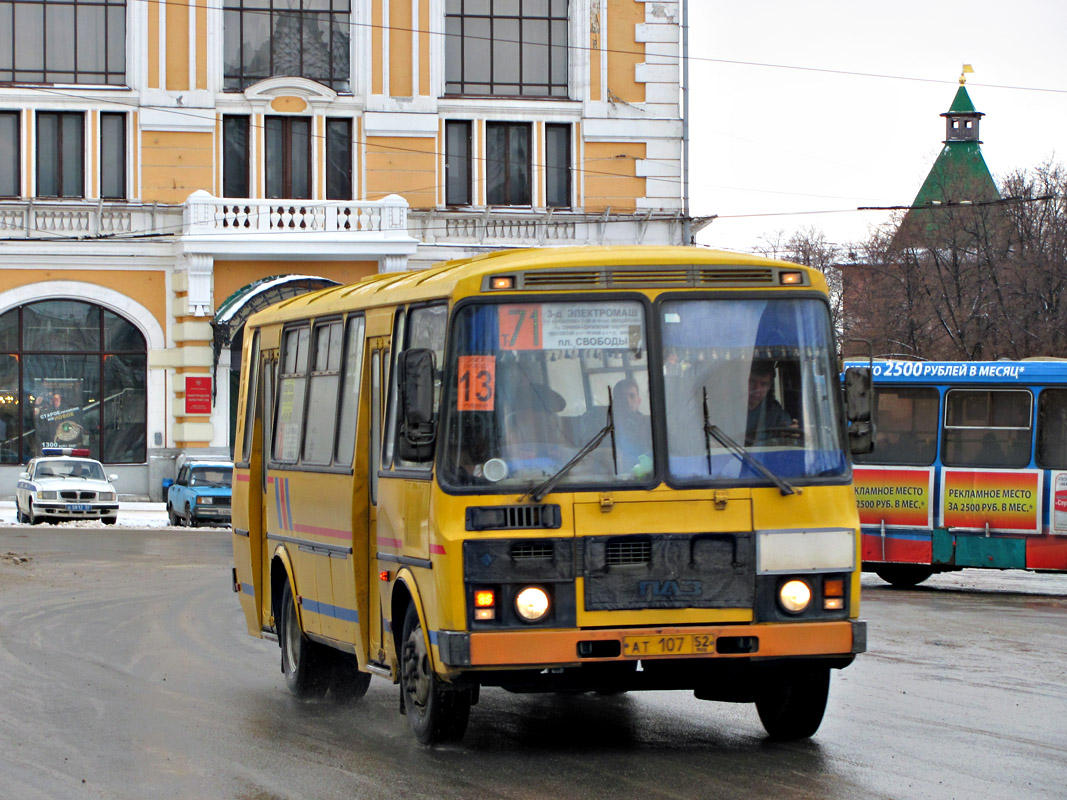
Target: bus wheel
column 792, row 700
column 348, row 684
column 305, row 664
column 436, row 713
column 903, row 576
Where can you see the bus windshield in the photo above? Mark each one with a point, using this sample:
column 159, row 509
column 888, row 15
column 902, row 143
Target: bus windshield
column 533, row 382
column 532, row 388
column 760, row 372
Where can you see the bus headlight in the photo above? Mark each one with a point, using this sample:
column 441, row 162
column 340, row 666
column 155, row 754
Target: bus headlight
column 532, row 604
column 794, row 596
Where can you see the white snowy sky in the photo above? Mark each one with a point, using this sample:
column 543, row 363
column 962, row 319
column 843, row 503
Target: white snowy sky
column 767, row 140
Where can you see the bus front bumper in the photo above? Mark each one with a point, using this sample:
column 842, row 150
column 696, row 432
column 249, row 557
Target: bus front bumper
column 548, row 648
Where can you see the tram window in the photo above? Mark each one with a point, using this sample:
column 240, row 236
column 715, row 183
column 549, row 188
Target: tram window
column 906, row 427
column 1052, row 429
column 987, row 428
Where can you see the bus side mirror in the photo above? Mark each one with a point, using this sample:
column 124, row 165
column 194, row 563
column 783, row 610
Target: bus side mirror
column 859, row 409
column 418, row 429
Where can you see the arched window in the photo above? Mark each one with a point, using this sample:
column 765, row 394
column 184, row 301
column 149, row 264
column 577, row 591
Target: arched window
column 72, row 374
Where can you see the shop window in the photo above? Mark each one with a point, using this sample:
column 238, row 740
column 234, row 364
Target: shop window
column 288, row 157
column 113, row 156
column 299, row 38
column 506, row 47
column 338, row 159
column 457, row 163
column 60, row 154
column 82, row 382
column 10, row 136
column 507, row 164
column 63, row 41
column 235, row 156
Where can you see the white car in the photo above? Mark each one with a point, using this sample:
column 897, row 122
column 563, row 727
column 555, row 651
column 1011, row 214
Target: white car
column 62, row 488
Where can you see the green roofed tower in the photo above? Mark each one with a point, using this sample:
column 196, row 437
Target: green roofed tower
column 960, row 173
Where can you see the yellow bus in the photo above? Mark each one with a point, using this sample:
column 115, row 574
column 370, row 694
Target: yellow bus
column 583, row 469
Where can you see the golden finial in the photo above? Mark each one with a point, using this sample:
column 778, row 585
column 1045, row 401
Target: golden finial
column 963, row 75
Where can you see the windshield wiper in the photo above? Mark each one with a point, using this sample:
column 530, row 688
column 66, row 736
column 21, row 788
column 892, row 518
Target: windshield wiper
column 738, row 450
column 538, row 492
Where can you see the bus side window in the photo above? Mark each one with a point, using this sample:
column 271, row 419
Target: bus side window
column 906, row 431
column 987, row 428
column 1052, row 429
column 425, row 330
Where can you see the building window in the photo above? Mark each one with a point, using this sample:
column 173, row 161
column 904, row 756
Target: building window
column 113, row 156
column 507, row 163
column 301, row 38
column 60, row 154
column 235, row 156
column 63, row 41
column 338, row 159
column 558, row 166
column 288, row 157
column 10, row 175
column 457, row 163
column 82, row 382
column 506, row 47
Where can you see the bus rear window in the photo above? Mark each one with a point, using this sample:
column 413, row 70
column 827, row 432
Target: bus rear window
column 987, row 428
column 906, row 431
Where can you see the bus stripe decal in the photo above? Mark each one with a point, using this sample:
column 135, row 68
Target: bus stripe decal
column 327, row 610
column 315, row 530
column 437, row 549
column 278, row 505
column 389, row 542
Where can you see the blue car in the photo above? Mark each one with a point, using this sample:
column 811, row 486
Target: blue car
column 200, row 495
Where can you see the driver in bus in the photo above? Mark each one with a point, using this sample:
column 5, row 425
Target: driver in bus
column 767, row 421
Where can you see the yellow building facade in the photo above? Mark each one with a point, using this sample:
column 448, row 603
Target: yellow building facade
column 166, row 169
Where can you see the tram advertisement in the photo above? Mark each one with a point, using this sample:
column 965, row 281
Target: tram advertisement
column 899, row 497
column 1002, row 500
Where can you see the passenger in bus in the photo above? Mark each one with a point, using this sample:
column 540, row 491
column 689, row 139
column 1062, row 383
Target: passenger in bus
column 633, row 432
column 532, row 432
column 768, row 422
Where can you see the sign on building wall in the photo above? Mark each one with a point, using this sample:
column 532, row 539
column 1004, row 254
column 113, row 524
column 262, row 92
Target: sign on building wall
column 197, row 394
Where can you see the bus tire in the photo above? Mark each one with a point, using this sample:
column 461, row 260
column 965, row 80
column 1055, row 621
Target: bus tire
column 791, row 701
column 347, row 683
column 903, row 576
column 307, row 665
column 437, row 714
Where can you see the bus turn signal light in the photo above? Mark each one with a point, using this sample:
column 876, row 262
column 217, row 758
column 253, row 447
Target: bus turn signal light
column 502, row 282
column 484, row 604
column 791, row 278
column 833, row 594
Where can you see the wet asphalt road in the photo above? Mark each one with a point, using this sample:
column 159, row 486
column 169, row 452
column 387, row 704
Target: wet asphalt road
column 126, row 672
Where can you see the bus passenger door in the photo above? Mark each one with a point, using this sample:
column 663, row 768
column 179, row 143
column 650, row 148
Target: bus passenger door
column 378, row 356
column 266, row 403
column 248, row 534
